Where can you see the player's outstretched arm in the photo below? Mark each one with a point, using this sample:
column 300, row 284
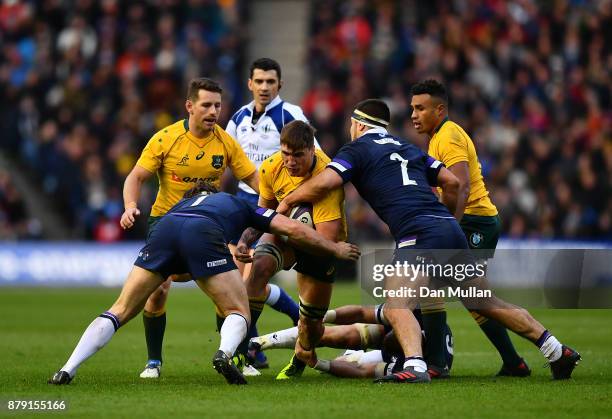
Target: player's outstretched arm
column 251, row 235
column 253, row 181
column 450, row 189
column 309, row 240
column 242, row 252
column 346, row 369
column 312, row 190
column 131, row 193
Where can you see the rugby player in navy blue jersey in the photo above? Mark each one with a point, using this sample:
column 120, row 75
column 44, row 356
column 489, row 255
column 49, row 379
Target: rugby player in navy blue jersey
column 191, row 239
column 395, row 178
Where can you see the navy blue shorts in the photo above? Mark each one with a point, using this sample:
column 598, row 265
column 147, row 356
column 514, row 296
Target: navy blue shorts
column 178, row 244
column 435, row 233
column 440, row 241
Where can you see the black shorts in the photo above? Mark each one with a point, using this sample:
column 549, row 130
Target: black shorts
column 322, row 268
column 482, row 233
column 194, row 245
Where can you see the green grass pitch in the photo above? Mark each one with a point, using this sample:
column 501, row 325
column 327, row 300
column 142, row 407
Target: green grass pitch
column 40, row 327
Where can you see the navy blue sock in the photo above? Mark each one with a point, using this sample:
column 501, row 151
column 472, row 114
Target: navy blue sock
column 280, row 301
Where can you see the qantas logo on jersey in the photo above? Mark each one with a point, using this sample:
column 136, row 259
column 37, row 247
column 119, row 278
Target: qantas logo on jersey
column 188, row 179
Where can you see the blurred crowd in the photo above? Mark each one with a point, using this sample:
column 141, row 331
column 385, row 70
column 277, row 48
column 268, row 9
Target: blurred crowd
column 15, row 221
column 85, row 83
column 530, row 81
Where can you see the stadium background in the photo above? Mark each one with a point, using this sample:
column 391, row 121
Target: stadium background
column 85, row 84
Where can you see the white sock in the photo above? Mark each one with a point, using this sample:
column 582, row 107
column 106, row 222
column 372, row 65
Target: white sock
column 551, row 348
column 95, row 337
column 418, row 364
column 234, row 329
column 275, row 293
column 371, row 357
column 281, row 339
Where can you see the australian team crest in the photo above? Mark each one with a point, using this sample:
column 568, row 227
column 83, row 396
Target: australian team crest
column 476, row 239
column 217, row 161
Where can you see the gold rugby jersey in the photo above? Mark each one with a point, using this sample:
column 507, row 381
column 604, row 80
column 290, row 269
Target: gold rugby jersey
column 180, row 159
column 450, row 144
column 275, row 182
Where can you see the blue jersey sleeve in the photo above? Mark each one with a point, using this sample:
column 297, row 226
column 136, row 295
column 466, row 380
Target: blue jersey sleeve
column 432, row 169
column 347, row 162
column 261, row 218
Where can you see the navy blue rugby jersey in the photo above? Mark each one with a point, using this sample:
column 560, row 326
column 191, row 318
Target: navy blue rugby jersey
column 233, row 214
column 395, row 178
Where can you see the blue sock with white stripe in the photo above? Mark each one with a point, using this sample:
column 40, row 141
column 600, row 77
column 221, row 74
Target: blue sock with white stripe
column 96, row 336
column 279, row 300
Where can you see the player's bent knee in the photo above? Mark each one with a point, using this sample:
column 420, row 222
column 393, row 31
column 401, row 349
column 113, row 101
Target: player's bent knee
column 124, row 313
column 157, row 300
column 273, row 256
column 227, row 307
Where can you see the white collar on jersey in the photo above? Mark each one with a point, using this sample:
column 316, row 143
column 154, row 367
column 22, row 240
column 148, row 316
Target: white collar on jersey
column 270, row 105
column 377, row 130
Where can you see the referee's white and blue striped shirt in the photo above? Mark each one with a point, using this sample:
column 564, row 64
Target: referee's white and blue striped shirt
column 259, row 141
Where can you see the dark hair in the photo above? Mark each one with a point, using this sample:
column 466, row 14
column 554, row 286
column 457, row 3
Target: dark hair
column 202, row 83
column 375, row 108
column 431, row 87
column 201, row 186
column 265, row 64
column 297, row 135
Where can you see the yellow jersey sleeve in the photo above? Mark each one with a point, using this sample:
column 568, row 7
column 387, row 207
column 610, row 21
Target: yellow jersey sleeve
column 265, row 181
column 152, row 156
column 452, row 147
column 238, row 162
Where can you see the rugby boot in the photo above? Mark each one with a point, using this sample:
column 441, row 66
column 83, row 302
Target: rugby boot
column 520, row 370
column 224, row 366
column 60, row 378
column 407, row 375
column 562, row 368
